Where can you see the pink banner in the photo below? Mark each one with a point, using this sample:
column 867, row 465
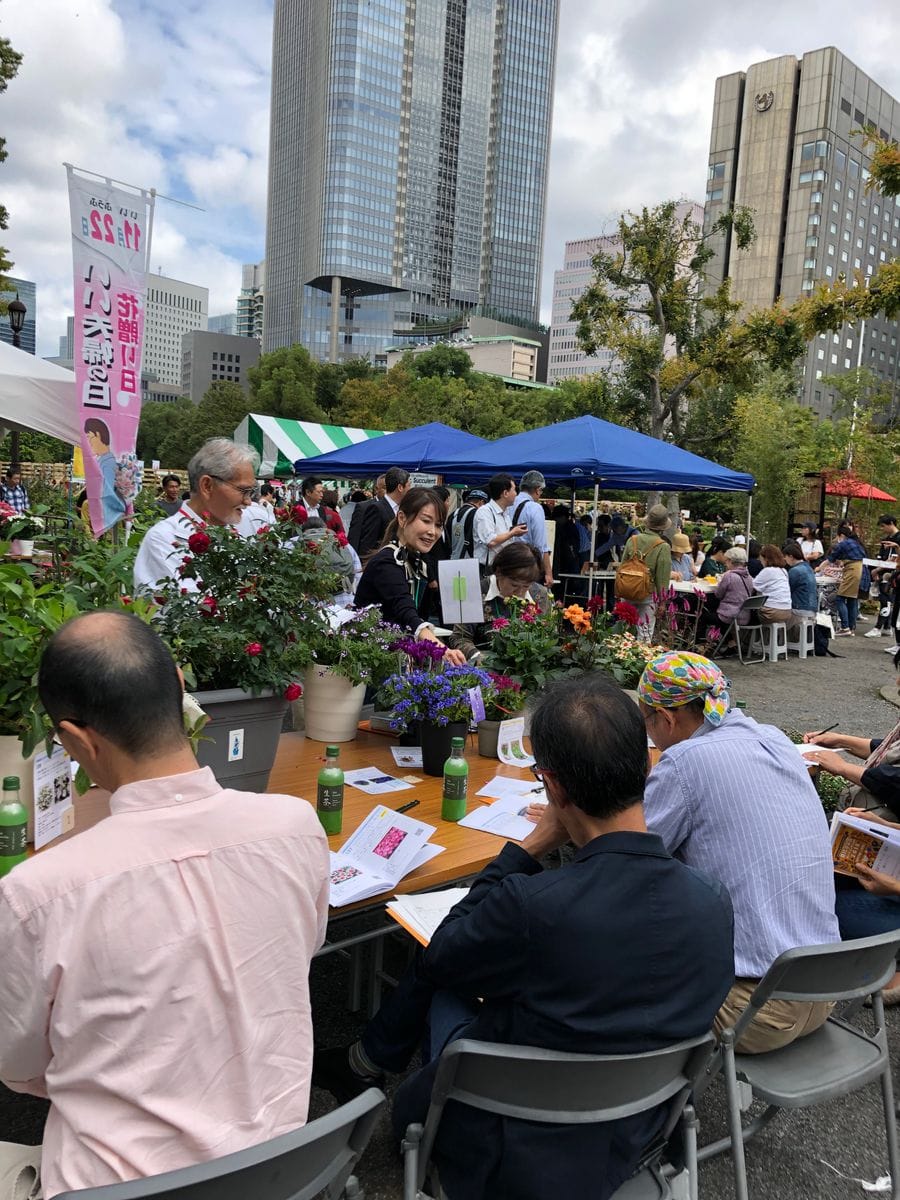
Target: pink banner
column 110, row 246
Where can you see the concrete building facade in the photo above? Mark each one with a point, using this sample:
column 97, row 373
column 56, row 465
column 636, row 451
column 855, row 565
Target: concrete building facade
column 26, row 290
column 174, row 308
column 251, row 300
column 785, row 142
column 512, row 358
column 408, row 167
column 208, row 358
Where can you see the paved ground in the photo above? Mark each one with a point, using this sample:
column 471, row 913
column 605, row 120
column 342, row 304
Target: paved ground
column 783, row 1164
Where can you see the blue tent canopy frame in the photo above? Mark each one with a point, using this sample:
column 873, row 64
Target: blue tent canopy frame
column 425, row 448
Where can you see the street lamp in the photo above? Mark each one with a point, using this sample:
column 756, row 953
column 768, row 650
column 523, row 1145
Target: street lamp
column 16, row 310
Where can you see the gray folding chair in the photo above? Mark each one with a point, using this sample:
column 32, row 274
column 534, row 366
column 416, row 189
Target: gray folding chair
column 835, row 1060
column 756, row 647
column 296, row 1166
column 531, row 1084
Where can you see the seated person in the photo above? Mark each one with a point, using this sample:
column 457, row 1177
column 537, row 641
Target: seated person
column 574, row 960
column 682, row 563
column 754, row 565
column 149, row 988
column 335, row 554
column 801, row 580
column 734, row 799
column 714, row 563
column 514, row 576
column 772, row 582
column 733, row 588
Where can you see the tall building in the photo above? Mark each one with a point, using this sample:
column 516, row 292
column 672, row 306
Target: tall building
column 407, row 167
column 567, row 359
column 174, row 308
column 250, row 301
column 27, row 293
column 785, row 142
column 224, row 323
column 207, row 358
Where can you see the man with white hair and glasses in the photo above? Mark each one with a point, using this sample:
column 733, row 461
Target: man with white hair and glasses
column 222, row 480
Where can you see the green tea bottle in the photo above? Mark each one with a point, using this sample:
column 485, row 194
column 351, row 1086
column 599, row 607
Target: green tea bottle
column 330, row 794
column 13, row 824
column 456, row 782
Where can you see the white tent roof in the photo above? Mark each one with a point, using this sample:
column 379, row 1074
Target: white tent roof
column 36, row 394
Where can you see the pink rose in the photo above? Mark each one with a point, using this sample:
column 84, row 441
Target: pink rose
column 208, row 605
column 254, row 649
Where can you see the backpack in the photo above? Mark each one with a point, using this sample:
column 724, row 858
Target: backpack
column 633, row 579
column 459, row 533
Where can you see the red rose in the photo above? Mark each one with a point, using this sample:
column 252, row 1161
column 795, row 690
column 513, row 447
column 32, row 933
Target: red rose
column 293, row 691
column 253, row 649
column 299, row 515
column 263, row 529
column 199, row 543
column 187, row 559
column 208, row 605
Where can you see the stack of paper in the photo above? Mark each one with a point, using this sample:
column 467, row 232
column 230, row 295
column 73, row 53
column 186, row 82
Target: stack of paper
column 506, row 816
column 420, row 915
column 384, row 849
column 855, row 840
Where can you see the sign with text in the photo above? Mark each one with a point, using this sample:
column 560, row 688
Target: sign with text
column 110, row 249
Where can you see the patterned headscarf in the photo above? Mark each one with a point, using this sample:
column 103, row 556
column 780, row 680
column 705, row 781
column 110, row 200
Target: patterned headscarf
column 678, row 677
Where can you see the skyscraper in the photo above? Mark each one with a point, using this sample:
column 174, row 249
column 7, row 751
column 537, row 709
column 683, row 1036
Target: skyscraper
column 785, row 142
column 408, row 164
column 173, row 309
column 251, row 300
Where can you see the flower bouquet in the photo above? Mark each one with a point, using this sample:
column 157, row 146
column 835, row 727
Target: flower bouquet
column 440, row 701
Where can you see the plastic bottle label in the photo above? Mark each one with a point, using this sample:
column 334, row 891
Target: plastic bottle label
column 456, row 787
column 330, row 799
column 12, row 840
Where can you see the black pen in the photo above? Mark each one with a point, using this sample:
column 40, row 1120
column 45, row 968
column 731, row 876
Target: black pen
column 406, row 807
column 828, row 730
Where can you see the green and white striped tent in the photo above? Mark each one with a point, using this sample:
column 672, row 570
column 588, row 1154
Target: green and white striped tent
column 280, row 442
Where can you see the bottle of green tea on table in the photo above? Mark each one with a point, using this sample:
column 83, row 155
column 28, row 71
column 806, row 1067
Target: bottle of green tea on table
column 456, row 782
column 330, row 793
column 13, row 824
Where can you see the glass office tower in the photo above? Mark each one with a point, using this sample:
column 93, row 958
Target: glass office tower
column 408, row 165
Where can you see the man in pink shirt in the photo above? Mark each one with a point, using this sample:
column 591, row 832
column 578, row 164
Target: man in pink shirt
column 154, row 982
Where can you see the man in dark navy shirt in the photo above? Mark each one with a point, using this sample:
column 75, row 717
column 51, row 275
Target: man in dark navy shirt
column 621, row 951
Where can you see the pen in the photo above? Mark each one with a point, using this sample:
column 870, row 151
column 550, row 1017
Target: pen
column 406, row 807
column 828, row 730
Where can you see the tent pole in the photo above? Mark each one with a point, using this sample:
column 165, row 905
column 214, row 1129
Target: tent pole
column 749, row 512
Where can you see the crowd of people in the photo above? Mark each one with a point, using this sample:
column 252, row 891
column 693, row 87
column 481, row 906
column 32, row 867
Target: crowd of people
column 155, row 976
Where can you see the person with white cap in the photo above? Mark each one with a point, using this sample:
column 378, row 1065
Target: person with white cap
column 527, row 510
column 739, row 540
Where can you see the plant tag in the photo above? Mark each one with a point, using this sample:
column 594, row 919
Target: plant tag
column 235, row 745
column 476, row 701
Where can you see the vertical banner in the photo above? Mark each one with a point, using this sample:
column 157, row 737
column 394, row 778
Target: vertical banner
column 110, row 247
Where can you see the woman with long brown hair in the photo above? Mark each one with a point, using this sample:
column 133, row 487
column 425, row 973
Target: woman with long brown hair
column 772, row 582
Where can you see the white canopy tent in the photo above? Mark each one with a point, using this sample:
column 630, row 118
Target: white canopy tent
column 36, row 394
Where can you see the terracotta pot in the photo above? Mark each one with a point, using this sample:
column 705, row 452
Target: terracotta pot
column 331, row 705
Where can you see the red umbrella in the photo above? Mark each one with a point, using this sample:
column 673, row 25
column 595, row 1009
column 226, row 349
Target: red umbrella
column 848, row 485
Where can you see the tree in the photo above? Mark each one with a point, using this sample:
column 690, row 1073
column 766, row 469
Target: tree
column 648, row 305
column 10, row 61
column 443, row 361
column 283, row 384
column 331, row 377
column 155, row 426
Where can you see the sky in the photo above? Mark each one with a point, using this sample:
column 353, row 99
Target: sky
column 174, row 94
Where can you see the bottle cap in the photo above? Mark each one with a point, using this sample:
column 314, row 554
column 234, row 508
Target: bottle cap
column 332, row 751
column 11, row 783
column 457, row 743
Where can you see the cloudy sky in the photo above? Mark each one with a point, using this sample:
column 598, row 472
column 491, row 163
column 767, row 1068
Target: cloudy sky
column 175, row 94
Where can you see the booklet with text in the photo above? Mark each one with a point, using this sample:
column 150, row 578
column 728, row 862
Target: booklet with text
column 855, row 840
column 385, row 848
column 421, row 914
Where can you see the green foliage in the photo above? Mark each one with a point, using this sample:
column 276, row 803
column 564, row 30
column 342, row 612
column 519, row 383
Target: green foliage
column 36, row 448
column 159, row 421
column 442, row 361
column 283, row 384
column 357, row 648
column 526, row 646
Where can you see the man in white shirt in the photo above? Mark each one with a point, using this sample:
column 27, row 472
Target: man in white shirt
column 155, row 977
column 528, row 511
column 493, row 527
column 222, row 479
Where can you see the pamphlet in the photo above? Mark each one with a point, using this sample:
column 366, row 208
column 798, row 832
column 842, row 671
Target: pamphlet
column 374, row 782
column 855, row 840
column 53, row 812
column 506, row 818
column 501, row 787
column 407, row 756
column 384, row 849
column 510, row 746
column 421, row 914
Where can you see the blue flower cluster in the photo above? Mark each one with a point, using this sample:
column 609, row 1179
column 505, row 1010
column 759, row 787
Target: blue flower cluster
column 439, row 696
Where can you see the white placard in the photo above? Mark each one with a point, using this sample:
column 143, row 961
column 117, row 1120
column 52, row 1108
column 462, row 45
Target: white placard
column 406, row 756
column 52, row 796
column 510, row 745
column 460, row 585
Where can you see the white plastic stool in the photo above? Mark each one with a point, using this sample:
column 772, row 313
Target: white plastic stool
column 775, row 640
column 805, row 645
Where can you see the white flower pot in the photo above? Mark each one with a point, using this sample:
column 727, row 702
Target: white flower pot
column 21, row 547
column 12, row 763
column 331, row 705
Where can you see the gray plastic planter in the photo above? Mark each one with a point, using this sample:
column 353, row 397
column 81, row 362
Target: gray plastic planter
column 240, row 740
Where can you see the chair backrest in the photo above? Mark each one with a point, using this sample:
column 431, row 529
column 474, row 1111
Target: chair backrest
column 840, row 971
column 295, row 1166
column 531, row 1084
column 754, row 603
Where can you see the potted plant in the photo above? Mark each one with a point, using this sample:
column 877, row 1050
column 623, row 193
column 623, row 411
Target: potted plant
column 601, row 640
column 525, row 645
column 233, row 619
column 19, row 529
column 342, row 651
column 502, row 699
column 440, row 700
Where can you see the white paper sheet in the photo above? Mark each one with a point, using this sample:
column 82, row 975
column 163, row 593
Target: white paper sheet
column 406, row 756
column 424, row 912
column 374, row 782
column 52, row 796
column 505, row 818
column 510, row 746
column 500, row 787
column 385, row 848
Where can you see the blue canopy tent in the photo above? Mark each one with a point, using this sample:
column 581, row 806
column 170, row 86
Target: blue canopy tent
column 425, row 448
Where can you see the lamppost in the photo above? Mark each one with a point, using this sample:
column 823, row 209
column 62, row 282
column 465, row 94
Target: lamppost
column 17, row 312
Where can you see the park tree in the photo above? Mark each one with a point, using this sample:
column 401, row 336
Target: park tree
column 10, row 61
column 442, row 361
column 157, row 420
column 331, row 377
column 283, row 384
column 649, row 305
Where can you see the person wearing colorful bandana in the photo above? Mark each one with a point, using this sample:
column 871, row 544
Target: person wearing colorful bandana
column 734, row 799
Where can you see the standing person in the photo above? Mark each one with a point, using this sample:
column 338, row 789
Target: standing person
column 772, row 582
column 12, row 490
column 438, row 553
column 145, row 989
column 370, row 520
column 312, row 497
column 169, row 499
column 734, row 798
column 357, row 496
column 396, row 577
column 846, row 550
column 623, row 950
column 267, row 500
column 493, row 526
column 656, row 554
column 459, row 532
column 813, row 550
column 884, row 579
column 566, row 544
column 527, row 510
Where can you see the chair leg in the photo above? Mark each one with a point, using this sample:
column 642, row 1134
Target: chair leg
column 890, row 1131
column 410, row 1148
column 734, row 1124
column 690, row 1122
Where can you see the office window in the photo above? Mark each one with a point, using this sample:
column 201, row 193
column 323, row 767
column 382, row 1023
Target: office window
column 807, row 151
column 812, row 241
column 830, row 249
column 809, row 264
column 829, row 271
column 715, row 194
column 846, row 363
column 844, row 256
column 845, row 107
column 840, row 160
column 854, row 169
column 822, row 149
column 813, row 219
column 717, row 170
column 837, row 185
column 851, row 193
column 835, row 207
column 858, row 117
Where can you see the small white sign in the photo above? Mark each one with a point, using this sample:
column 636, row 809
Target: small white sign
column 460, row 584
column 418, row 479
column 52, row 796
column 235, row 745
column 510, row 746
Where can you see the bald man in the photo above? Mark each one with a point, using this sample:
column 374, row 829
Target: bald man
column 150, row 987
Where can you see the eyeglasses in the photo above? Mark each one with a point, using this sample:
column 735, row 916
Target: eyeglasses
column 246, row 492
column 539, row 772
column 69, row 721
